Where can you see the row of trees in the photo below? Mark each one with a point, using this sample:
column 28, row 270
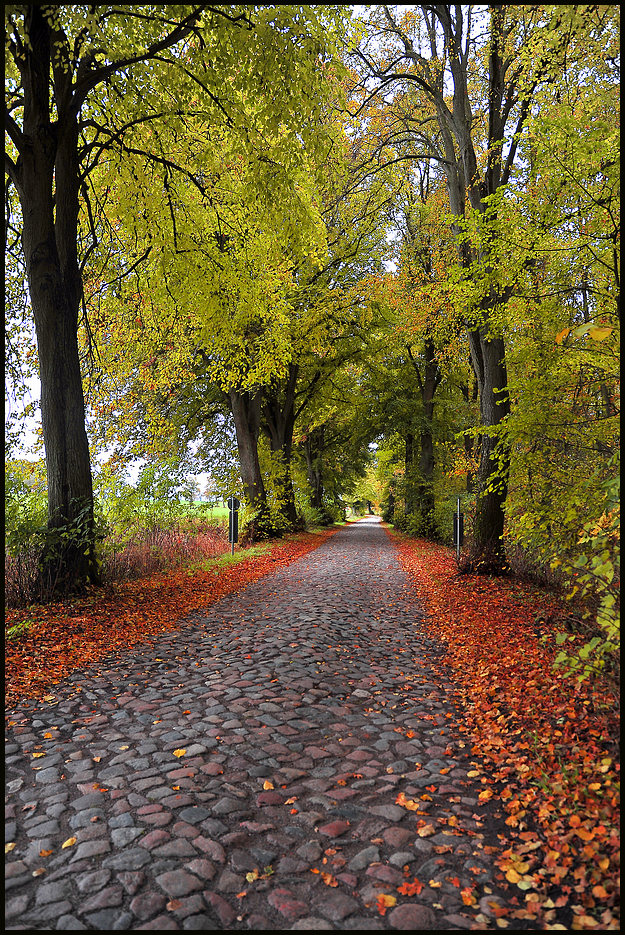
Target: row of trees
column 406, row 237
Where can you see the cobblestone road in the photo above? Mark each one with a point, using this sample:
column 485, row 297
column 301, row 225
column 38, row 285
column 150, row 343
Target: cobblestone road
column 305, row 704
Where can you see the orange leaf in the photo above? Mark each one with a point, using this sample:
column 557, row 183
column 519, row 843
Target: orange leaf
column 385, row 902
column 410, row 804
column 329, row 880
column 44, row 853
column 410, row 889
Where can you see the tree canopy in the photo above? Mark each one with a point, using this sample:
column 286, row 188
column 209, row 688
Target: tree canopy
column 343, row 256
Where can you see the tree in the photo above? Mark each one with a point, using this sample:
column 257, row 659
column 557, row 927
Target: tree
column 79, row 79
column 469, row 104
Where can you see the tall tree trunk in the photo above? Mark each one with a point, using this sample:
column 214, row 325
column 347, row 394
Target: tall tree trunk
column 428, row 382
column 431, row 379
column 47, row 185
column 409, row 497
column 245, row 408
column 492, row 477
column 313, row 452
column 279, row 422
column 487, row 553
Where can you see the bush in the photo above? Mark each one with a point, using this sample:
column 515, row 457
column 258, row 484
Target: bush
column 138, row 534
column 594, row 579
column 154, row 548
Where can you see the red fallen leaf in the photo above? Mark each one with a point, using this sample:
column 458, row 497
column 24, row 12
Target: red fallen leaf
column 467, row 896
column 384, row 902
column 410, row 889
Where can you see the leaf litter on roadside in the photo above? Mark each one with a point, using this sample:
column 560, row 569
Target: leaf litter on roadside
column 546, row 742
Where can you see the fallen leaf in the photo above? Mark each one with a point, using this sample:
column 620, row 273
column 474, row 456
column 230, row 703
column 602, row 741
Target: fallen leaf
column 10, row 846
column 410, row 804
column 45, row 853
column 384, row 902
column 267, row 784
column 179, row 752
column 69, row 843
column 410, row 889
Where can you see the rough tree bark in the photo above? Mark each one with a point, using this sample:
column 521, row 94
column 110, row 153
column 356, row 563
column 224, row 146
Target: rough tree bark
column 279, row 421
column 246, row 409
column 47, row 164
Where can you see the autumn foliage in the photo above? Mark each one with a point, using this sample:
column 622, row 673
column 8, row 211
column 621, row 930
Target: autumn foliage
column 547, row 746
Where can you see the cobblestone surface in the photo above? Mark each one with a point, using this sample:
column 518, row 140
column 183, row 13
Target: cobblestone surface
column 305, row 704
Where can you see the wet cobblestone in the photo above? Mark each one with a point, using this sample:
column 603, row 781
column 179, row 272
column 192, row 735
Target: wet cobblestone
column 304, row 705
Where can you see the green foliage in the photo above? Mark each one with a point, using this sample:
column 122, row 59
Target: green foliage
column 593, row 576
column 160, row 498
column 25, row 506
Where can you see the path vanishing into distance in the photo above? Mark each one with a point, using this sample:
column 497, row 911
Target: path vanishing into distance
column 243, row 771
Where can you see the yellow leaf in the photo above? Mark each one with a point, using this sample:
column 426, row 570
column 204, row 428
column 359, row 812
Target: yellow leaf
column 386, row 900
column 69, row 843
column 267, row 784
column 410, row 804
column 179, row 752
column 125, row 747
column 561, row 335
column 598, row 334
column 38, row 754
column 473, row 772
column 426, row 831
column 9, row 847
column 512, row 876
column 485, row 795
column 434, row 884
